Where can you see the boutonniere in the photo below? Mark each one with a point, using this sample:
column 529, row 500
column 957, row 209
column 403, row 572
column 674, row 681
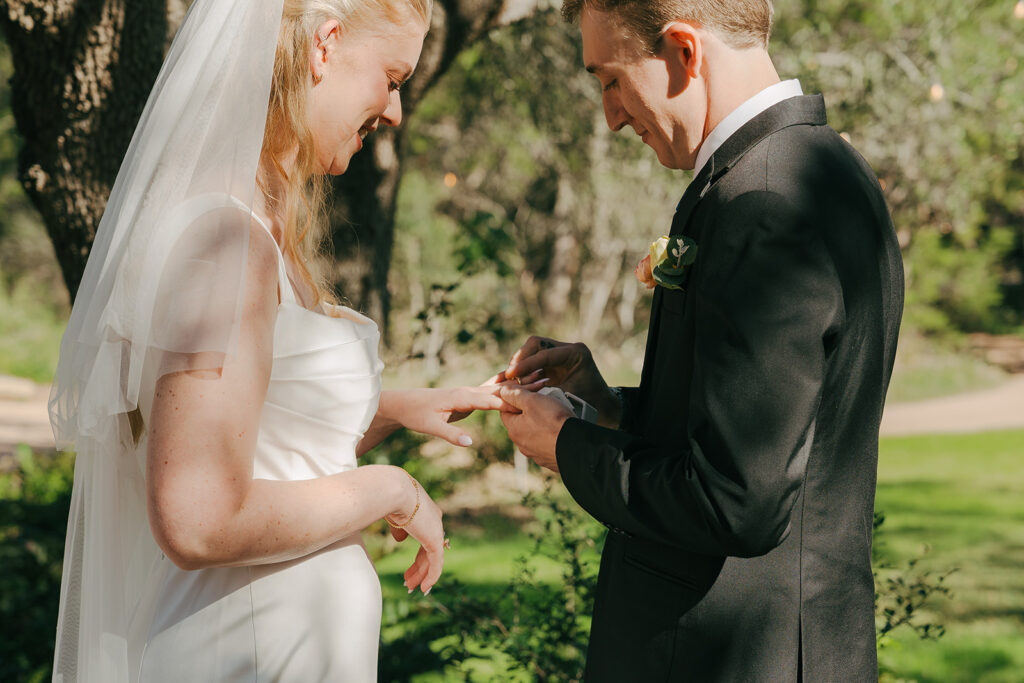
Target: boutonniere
column 667, row 262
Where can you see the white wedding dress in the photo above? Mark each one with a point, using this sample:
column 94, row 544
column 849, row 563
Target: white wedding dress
column 312, row 619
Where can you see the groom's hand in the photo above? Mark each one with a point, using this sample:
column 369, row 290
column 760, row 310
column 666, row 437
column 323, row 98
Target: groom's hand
column 570, row 367
column 533, row 422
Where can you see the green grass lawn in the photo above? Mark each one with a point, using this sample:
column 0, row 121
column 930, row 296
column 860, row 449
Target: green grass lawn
column 960, row 496
column 30, row 332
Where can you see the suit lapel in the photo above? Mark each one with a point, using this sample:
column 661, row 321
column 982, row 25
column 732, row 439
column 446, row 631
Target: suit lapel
column 796, row 111
column 804, row 110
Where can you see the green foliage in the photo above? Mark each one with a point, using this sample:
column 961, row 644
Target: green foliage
column 34, row 500
column 522, row 193
column 30, row 332
column 515, row 188
column 670, row 261
column 535, row 629
column 541, row 628
column 901, row 592
column 484, row 242
column 929, row 93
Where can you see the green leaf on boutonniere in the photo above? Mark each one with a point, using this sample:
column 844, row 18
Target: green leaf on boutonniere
column 670, row 257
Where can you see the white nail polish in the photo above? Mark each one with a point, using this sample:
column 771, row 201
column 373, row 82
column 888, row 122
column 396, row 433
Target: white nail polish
column 465, row 441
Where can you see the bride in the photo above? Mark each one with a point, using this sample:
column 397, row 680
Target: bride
column 215, row 394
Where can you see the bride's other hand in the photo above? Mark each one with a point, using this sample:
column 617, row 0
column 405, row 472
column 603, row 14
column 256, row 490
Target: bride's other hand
column 419, row 516
column 570, row 367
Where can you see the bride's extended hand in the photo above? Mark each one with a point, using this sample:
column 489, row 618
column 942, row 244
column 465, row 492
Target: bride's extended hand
column 420, row 517
column 432, row 411
column 531, row 382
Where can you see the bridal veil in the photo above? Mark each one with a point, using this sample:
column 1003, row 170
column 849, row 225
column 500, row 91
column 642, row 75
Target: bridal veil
column 161, row 292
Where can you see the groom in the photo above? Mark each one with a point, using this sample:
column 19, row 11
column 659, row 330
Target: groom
column 738, row 479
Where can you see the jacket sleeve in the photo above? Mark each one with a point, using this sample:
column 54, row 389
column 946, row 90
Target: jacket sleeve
column 767, row 300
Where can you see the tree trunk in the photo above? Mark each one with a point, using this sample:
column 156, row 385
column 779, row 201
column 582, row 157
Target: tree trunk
column 82, row 72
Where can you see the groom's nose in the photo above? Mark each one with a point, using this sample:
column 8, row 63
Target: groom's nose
column 614, row 114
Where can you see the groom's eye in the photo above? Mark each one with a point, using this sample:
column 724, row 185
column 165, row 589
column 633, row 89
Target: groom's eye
column 611, row 83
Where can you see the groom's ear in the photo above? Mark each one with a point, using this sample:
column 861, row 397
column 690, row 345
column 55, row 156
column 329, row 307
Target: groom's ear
column 683, row 51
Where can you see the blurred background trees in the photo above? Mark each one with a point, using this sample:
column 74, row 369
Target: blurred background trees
column 506, row 182
column 504, row 206
column 82, row 70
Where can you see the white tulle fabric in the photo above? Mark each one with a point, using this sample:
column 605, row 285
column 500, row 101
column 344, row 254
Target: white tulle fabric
column 161, row 292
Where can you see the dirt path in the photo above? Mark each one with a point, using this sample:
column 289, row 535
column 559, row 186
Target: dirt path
column 23, row 417
column 1001, row 407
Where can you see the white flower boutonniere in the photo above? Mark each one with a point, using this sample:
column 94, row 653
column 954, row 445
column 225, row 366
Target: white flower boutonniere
column 667, row 263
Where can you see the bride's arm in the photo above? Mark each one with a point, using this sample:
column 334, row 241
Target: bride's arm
column 205, row 507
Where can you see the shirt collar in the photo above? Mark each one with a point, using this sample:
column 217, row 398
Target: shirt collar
column 768, row 97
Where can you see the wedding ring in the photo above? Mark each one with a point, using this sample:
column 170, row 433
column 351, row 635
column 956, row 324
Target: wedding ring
column 447, row 543
column 519, row 380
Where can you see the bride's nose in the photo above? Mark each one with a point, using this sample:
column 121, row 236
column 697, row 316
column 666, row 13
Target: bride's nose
column 392, row 115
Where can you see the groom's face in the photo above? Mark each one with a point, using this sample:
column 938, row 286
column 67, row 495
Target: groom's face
column 643, row 91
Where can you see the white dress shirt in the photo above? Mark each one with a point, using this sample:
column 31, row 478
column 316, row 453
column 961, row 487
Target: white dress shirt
column 768, row 97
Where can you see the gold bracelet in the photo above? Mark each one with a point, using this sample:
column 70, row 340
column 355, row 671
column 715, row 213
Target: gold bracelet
column 414, row 510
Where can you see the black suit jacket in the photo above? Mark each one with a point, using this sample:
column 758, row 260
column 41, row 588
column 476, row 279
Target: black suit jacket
column 740, row 486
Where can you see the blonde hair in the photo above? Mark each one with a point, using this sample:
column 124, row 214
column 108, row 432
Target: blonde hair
column 303, row 204
column 740, row 23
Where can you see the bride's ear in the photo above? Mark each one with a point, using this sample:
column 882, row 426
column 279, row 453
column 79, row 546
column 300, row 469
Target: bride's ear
column 319, row 52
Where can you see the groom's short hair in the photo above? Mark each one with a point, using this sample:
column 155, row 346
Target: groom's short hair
column 740, row 23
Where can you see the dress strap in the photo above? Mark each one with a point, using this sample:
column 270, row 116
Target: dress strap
column 284, row 284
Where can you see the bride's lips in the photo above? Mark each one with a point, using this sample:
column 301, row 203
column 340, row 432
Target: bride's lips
column 363, row 132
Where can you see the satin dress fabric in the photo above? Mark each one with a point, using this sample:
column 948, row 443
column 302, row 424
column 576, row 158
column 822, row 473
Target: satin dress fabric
column 316, row 618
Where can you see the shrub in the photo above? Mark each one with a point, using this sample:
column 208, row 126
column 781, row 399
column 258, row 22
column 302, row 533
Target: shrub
column 34, row 501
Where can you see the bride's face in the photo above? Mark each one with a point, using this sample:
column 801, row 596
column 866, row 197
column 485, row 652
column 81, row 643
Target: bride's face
column 358, row 89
